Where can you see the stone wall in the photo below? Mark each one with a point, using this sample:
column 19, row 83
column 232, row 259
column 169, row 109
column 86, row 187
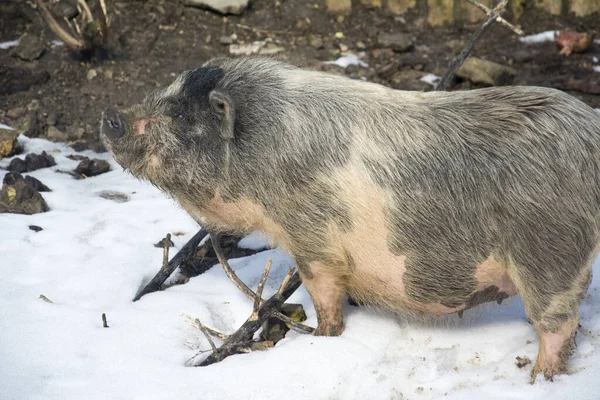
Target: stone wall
column 440, row 12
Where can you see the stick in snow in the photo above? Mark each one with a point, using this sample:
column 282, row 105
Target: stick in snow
column 168, row 267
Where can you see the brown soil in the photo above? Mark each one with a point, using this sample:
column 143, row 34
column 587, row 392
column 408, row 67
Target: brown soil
column 151, row 41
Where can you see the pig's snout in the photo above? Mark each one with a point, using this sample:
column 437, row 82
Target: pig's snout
column 113, row 124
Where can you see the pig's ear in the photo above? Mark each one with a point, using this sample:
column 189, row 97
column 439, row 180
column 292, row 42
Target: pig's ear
column 223, row 107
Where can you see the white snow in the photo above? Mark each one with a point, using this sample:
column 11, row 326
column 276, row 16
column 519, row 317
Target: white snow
column 596, row 68
column 432, row 79
column 8, row 45
column 349, row 59
column 595, row 60
column 93, row 254
column 547, row 36
column 4, row 126
column 58, row 43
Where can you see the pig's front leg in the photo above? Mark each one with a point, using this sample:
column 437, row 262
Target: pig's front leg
column 325, row 284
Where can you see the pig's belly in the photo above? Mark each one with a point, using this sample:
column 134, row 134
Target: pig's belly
column 377, row 278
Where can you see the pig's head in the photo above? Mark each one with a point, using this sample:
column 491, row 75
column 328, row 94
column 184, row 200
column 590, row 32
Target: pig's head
column 178, row 136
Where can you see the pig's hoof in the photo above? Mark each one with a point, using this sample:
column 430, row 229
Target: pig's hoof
column 548, row 371
column 329, row 330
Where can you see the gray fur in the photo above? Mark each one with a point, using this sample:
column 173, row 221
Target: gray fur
column 510, row 172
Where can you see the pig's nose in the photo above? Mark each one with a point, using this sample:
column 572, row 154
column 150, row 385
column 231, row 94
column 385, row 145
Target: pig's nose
column 113, row 124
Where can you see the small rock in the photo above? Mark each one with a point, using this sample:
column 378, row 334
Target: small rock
column 486, row 72
column 339, row 6
column 52, row 119
column 91, row 74
column 75, row 132
column 343, row 47
column 108, row 74
column 270, row 49
column 32, row 162
column 76, row 157
column 55, row 135
column 314, row 41
column 30, row 48
column 371, row 3
column 117, row 197
column 226, row 40
column 339, row 35
column 9, row 145
column 88, row 168
column 220, row 6
column 18, row 166
column 65, row 9
column 38, row 161
column 161, row 243
column 522, row 361
column 399, row 42
column 246, row 49
column 19, row 197
column 361, row 45
column 33, row 125
column 36, row 228
column 16, row 112
column 36, row 184
column 376, row 53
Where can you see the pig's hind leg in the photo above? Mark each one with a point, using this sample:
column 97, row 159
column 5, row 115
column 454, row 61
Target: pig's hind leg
column 326, row 285
column 552, row 272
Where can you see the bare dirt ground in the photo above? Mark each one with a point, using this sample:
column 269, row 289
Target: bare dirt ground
column 151, row 41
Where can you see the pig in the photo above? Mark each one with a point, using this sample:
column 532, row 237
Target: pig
column 420, row 203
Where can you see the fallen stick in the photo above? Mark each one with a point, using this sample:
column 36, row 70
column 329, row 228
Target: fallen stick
column 167, row 269
column 242, row 338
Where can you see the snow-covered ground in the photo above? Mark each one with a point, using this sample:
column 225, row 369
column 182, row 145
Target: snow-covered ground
column 93, row 254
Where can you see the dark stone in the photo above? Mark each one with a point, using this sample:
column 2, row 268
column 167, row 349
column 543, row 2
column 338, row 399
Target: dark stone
column 30, row 48
column 117, row 197
column 36, row 228
column 19, row 197
column 399, row 42
column 65, row 9
column 17, row 165
column 32, row 162
column 35, row 126
column 38, row 161
column 77, row 157
column 36, row 184
column 88, row 168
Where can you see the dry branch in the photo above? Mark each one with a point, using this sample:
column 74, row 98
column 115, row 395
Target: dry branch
column 241, row 340
column 58, row 30
column 493, row 15
column 167, row 269
column 90, row 32
column 249, row 293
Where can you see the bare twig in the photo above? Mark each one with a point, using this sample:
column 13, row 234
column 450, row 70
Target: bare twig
column 286, row 280
column 87, row 13
column 102, row 16
column 243, row 336
column 104, row 322
column 492, row 17
column 192, row 321
column 47, row 300
column 515, row 28
column 227, row 268
column 261, row 285
column 60, row 32
column 186, row 251
column 205, row 332
column 292, row 323
column 166, row 245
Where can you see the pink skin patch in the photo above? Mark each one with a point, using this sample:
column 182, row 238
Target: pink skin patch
column 139, row 127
